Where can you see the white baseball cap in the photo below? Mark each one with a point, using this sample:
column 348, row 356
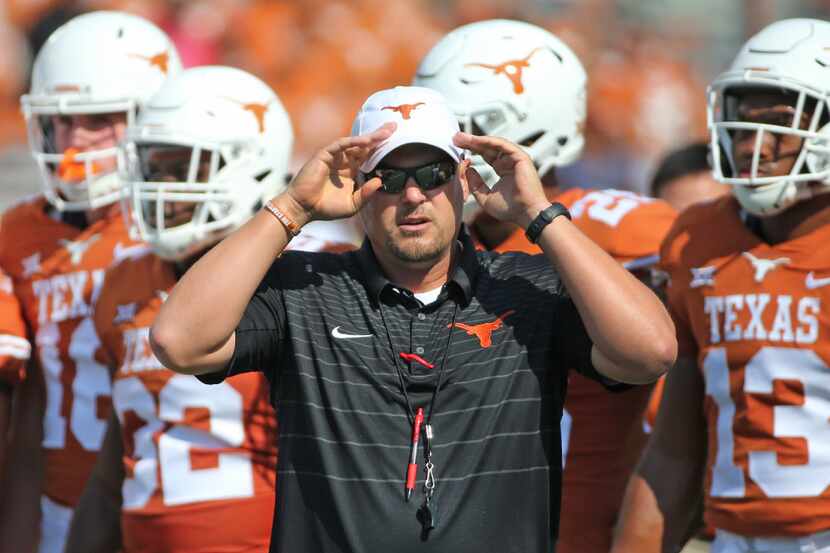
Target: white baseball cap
column 422, row 116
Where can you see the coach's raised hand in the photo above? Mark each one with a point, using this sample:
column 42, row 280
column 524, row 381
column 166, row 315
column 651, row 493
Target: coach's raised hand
column 518, row 195
column 194, row 336
column 326, row 187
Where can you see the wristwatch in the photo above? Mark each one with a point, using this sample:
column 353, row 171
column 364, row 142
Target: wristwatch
column 545, row 217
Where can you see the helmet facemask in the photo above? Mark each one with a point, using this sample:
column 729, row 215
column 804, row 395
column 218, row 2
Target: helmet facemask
column 804, row 118
column 194, row 200
column 75, row 180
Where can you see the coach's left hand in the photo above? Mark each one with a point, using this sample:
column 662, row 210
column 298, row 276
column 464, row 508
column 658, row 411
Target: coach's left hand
column 518, row 195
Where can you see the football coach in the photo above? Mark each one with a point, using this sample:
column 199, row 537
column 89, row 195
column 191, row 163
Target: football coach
column 419, row 383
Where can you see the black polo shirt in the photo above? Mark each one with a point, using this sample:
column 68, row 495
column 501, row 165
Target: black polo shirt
column 327, row 328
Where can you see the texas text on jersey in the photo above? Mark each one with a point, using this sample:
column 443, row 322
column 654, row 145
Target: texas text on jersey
column 602, row 432
column 193, row 454
column 752, row 314
column 57, row 271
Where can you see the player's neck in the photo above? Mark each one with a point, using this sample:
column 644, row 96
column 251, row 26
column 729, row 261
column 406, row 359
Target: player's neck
column 95, row 215
column 84, row 219
column 797, row 221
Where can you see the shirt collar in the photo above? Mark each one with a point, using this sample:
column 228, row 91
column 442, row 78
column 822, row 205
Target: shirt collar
column 463, row 275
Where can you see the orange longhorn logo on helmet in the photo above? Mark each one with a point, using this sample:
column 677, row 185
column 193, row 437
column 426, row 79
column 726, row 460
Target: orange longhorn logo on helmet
column 256, row 109
column 512, row 69
column 160, row 60
column 404, row 109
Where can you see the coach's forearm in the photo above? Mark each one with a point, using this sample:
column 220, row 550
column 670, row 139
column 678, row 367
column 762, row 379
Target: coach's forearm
column 194, row 330
column 632, row 332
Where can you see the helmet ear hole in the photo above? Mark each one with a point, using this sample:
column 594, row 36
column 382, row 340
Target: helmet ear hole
column 531, row 140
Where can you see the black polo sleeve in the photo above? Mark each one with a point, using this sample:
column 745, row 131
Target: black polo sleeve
column 260, row 333
column 572, row 343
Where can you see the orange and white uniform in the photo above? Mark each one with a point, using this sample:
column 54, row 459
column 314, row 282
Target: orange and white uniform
column 199, row 460
column 605, row 434
column 15, row 348
column 602, row 432
column 755, row 316
column 57, row 271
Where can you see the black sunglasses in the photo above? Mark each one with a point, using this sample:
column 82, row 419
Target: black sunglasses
column 428, row 177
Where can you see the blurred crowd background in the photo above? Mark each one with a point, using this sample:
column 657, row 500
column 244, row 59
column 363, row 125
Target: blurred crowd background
column 648, row 62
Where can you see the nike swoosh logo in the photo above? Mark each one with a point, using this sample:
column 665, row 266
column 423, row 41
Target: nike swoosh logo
column 119, row 253
column 337, row 334
column 811, row 282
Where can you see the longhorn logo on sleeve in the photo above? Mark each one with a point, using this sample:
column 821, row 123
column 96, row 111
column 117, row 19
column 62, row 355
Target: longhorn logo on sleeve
column 512, row 69
column 404, row 109
column 483, row 331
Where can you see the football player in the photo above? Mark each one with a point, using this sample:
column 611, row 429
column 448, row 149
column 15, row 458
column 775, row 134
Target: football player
column 185, row 467
column 515, row 80
column 684, row 177
column 745, row 418
column 88, row 83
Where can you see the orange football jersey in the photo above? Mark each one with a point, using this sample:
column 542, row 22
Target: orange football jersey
column 755, row 317
column 57, row 271
column 15, row 349
column 626, row 225
column 194, row 454
column 602, row 432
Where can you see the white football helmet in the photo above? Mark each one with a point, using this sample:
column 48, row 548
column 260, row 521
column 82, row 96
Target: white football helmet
column 218, row 113
column 100, row 62
column 788, row 56
column 514, row 80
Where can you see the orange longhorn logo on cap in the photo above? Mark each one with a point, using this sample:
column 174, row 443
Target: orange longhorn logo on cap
column 512, row 69
column 71, row 170
column 257, row 110
column 159, row 60
column 483, row 331
column 404, row 109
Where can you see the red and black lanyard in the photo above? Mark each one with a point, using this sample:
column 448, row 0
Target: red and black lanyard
column 427, row 512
